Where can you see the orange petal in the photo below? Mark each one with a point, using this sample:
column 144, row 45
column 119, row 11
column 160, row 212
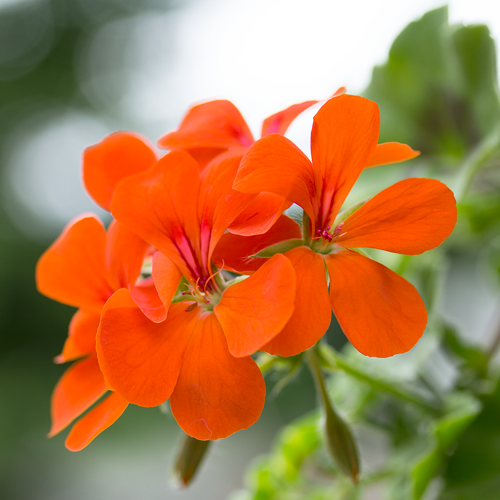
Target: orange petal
column 81, row 339
column 279, row 122
column 73, row 269
column 233, row 252
column 81, row 385
column 161, row 206
column 380, row 312
column 391, row 152
column 214, row 124
column 260, row 215
column 276, row 165
column 118, row 156
column 216, row 394
column 204, row 156
column 409, row 217
column 311, row 316
column 125, row 253
column 343, row 139
column 166, row 278
column 145, row 295
column 95, row 421
column 255, row 310
column 141, row 359
column 219, row 202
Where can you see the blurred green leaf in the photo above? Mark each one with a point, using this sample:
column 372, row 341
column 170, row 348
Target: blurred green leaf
column 438, row 90
column 473, row 357
column 473, row 471
column 446, row 432
column 477, row 59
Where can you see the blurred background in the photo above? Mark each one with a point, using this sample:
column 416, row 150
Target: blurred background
column 73, row 71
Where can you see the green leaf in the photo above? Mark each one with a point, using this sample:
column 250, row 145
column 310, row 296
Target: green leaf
column 438, row 90
column 477, row 59
column 473, row 357
column 473, row 471
column 446, row 432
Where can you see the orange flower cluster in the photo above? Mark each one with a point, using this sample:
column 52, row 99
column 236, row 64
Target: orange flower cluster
column 161, row 314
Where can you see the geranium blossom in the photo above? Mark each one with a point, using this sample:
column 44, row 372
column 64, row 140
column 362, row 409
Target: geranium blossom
column 199, row 356
column 213, row 127
column 380, row 312
column 83, row 268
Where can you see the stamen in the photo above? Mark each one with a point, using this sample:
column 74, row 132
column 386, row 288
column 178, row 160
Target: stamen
column 191, row 307
column 338, row 229
column 212, row 276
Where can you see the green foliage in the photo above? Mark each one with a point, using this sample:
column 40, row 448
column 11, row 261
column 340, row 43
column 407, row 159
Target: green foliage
column 473, row 470
column 446, row 431
column 437, row 91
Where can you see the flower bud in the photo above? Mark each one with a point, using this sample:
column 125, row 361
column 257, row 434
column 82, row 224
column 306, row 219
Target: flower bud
column 341, row 444
column 188, row 460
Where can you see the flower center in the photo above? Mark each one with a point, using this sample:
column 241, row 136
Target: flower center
column 203, row 294
column 324, row 239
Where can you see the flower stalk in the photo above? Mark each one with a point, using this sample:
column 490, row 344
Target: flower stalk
column 335, row 361
column 339, row 438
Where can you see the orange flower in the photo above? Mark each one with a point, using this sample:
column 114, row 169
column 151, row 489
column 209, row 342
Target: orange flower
column 83, row 268
column 216, row 126
column 380, row 312
column 199, row 356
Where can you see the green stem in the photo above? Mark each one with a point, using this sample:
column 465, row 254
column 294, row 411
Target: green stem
column 495, row 344
column 477, row 158
column 318, row 379
column 335, row 361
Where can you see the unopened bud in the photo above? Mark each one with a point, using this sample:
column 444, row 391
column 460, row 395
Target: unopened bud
column 339, row 438
column 341, row 444
column 188, row 460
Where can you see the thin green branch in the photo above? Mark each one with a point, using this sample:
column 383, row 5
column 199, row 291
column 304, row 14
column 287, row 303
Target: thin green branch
column 337, row 362
column 474, row 161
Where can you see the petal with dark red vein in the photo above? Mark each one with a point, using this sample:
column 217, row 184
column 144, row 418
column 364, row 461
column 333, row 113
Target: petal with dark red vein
column 343, row 139
column 81, row 340
column 255, row 310
column 117, row 156
column 391, row 152
column 213, row 124
column 275, row 164
column 311, row 316
column 161, row 206
column 216, row 394
column 233, row 252
column 73, row 268
column 380, row 312
column 81, row 385
column 409, row 217
column 95, row 421
column 140, row 359
column 219, row 202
